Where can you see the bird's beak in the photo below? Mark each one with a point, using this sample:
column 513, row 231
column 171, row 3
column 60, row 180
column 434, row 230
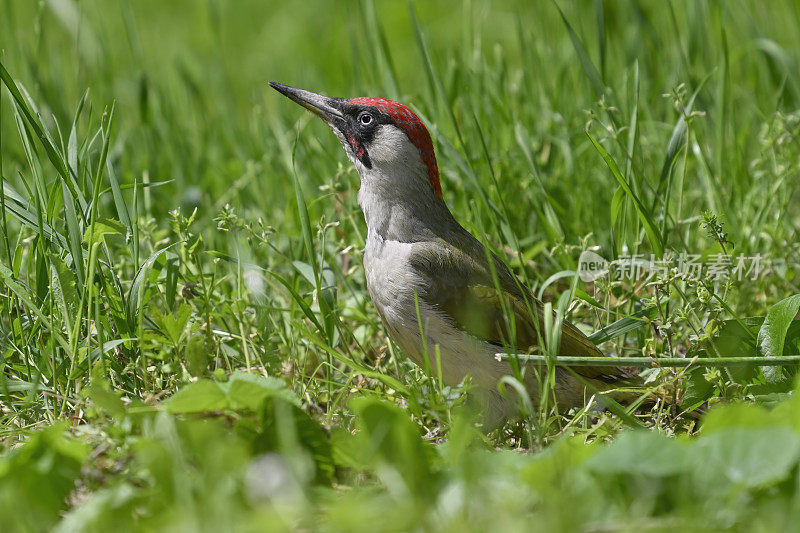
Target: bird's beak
column 325, row 107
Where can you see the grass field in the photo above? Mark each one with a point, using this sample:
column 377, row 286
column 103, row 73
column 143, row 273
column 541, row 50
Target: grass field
column 186, row 339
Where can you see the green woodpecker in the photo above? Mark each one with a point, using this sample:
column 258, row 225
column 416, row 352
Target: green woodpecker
column 423, row 268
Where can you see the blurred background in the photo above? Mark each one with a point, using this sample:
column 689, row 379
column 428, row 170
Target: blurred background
column 188, row 80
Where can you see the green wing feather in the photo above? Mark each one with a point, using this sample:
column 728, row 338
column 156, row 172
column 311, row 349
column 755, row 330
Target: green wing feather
column 466, row 293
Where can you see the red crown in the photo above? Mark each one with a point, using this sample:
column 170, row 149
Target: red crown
column 410, row 123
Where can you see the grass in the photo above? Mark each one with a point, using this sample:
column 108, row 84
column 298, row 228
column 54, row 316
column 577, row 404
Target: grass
column 187, row 339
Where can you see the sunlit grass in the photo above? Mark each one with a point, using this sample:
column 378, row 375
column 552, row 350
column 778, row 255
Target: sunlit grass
column 187, row 338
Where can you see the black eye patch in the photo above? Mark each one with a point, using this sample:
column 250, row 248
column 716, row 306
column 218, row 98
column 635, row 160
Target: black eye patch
column 360, row 125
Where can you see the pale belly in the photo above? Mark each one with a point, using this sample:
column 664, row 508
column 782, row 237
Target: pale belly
column 392, row 282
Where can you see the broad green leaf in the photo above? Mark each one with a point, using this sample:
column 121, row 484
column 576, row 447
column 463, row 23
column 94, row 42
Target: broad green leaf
column 736, row 338
column 37, row 477
column 200, row 397
column 249, row 390
column 241, row 391
column 742, row 415
column 109, row 400
column 745, row 457
column 196, row 355
column 772, row 335
column 286, row 428
column 643, row 452
column 390, row 440
column 557, row 463
column 697, row 390
column 173, row 326
column 102, row 227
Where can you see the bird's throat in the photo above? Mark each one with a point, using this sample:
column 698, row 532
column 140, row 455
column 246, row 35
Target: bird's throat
column 403, row 209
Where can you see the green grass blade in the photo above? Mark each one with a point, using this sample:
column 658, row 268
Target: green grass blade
column 20, row 292
column 50, row 148
column 588, row 67
column 138, row 285
column 624, row 325
column 73, row 233
column 650, row 228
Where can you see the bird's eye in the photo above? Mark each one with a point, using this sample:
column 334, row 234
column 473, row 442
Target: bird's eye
column 365, row 119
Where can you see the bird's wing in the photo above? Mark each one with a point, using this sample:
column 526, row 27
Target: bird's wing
column 465, row 292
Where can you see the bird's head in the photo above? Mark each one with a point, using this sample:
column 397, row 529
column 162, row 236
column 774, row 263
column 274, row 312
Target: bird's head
column 384, row 139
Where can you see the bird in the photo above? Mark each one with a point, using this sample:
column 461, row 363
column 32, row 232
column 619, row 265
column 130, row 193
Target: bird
column 437, row 290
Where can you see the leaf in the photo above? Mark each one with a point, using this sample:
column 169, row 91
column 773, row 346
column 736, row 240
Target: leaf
column 83, row 365
column 746, row 457
column 196, row 355
column 772, row 335
column 202, row 396
column 173, row 326
column 242, row 391
column 73, row 233
column 743, row 415
column 249, row 390
column 106, row 506
column 548, row 206
column 62, row 287
column 640, row 452
column 390, row 439
column 697, row 390
column 677, row 141
column 307, row 311
column 102, row 227
column 119, row 200
column 17, row 208
column 583, row 295
column 49, row 147
column 108, row 400
column 36, row 479
column 286, row 428
column 67, row 283
column 736, row 338
column 617, row 210
column 583, row 56
column 306, row 270
column 171, row 281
